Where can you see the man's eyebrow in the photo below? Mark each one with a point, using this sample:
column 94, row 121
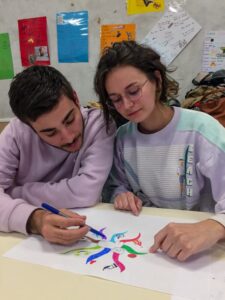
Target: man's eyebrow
column 68, row 115
column 64, row 120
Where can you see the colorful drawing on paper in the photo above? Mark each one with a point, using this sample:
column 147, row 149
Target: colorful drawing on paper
column 117, row 245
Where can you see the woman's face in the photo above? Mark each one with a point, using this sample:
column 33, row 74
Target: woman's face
column 131, row 93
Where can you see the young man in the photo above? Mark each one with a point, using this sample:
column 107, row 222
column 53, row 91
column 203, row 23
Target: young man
column 54, row 151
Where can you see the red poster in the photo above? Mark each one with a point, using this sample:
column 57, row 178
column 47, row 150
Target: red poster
column 33, row 41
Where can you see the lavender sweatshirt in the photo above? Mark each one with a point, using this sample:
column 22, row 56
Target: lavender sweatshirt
column 32, row 172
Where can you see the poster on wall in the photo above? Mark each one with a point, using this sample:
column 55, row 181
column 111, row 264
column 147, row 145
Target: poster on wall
column 72, row 36
column 6, row 63
column 213, row 58
column 144, row 6
column 171, row 34
column 33, row 41
column 116, row 33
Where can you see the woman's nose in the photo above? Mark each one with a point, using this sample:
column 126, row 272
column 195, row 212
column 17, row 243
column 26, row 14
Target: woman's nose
column 127, row 103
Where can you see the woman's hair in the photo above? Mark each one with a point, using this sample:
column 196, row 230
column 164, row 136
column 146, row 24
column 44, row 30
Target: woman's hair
column 130, row 53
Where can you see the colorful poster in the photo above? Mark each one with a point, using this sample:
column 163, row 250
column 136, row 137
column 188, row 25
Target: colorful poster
column 33, row 41
column 116, row 33
column 144, row 6
column 122, row 255
column 171, row 34
column 213, row 51
column 6, row 63
column 72, row 36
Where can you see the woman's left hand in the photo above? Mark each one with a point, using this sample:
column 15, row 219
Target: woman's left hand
column 180, row 240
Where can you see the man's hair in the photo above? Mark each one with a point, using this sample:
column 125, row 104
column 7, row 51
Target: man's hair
column 36, row 91
column 129, row 53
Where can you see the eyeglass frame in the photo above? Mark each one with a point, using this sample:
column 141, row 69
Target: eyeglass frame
column 112, row 105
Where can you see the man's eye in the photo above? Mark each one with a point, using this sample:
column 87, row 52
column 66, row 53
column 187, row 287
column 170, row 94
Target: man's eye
column 51, row 134
column 68, row 122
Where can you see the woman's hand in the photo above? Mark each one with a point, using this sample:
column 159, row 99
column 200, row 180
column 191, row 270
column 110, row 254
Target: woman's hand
column 180, row 240
column 128, row 201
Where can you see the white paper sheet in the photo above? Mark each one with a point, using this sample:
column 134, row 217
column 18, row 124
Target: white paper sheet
column 171, row 34
column 213, row 58
column 191, row 279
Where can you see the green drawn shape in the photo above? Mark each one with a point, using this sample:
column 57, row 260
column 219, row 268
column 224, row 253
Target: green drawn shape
column 132, row 251
column 84, row 249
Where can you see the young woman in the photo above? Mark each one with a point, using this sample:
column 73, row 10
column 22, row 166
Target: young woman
column 164, row 157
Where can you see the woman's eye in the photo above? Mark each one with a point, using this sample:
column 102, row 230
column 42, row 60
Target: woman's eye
column 117, row 100
column 134, row 91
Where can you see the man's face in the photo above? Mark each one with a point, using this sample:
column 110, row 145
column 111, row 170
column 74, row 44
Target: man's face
column 62, row 127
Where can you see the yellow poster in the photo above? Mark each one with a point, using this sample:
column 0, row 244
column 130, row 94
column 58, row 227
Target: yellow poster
column 144, row 6
column 116, row 33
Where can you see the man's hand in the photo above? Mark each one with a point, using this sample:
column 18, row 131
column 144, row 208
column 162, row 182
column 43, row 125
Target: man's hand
column 55, row 228
column 181, row 241
column 128, row 201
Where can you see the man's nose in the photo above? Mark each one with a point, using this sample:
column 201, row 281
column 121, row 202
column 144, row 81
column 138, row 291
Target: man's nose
column 67, row 135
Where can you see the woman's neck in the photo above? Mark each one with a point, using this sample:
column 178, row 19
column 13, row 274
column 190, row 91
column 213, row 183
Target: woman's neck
column 158, row 119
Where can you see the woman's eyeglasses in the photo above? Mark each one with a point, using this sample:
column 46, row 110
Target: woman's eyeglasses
column 133, row 93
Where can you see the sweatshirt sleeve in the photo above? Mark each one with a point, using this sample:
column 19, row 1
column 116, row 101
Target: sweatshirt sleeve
column 117, row 182
column 14, row 213
column 85, row 187
column 212, row 166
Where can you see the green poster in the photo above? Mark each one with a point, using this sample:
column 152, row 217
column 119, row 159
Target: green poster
column 6, row 63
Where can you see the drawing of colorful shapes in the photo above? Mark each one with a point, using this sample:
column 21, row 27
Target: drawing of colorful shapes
column 118, row 251
column 116, row 260
column 117, row 236
column 135, row 240
column 98, row 254
column 132, row 251
column 83, row 251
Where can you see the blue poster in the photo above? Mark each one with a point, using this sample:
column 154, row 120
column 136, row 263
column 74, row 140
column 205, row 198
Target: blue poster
column 72, row 36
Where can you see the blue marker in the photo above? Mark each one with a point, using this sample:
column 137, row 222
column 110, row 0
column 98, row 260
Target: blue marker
column 58, row 212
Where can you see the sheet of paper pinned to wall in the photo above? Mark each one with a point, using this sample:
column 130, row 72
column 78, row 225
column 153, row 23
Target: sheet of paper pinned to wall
column 116, row 33
column 144, row 6
column 72, row 36
column 171, row 34
column 123, row 256
column 33, row 40
column 6, row 63
column 213, row 58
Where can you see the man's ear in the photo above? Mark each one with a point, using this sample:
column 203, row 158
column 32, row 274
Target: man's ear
column 76, row 99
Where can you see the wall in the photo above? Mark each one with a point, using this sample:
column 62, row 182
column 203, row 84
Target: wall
column 210, row 15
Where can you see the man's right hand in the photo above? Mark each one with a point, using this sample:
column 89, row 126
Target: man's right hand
column 55, row 228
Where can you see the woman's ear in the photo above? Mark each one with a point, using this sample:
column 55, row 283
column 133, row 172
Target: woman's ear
column 159, row 79
column 158, row 84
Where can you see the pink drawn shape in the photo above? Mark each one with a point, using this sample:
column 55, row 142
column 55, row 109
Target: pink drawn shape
column 115, row 258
